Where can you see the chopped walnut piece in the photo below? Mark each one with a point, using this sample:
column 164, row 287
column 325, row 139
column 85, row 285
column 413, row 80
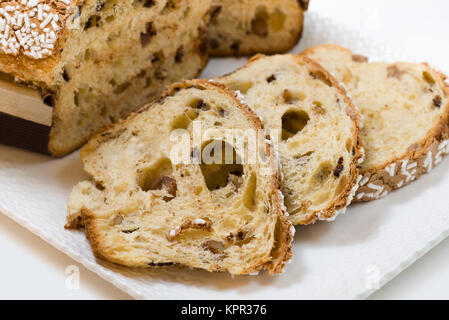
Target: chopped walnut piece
column 118, row 219
column 437, row 101
column 189, row 224
column 165, row 183
column 216, row 247
column 340, row 167
column 359, row 58
column 394, row 72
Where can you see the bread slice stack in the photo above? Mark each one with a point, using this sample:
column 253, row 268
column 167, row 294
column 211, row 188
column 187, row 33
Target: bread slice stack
column 405, row 108
column 246, row 27
column 316, row 129
column 154, row 199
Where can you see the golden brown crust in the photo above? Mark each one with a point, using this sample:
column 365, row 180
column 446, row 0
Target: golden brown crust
column 345, row 198
column 281, row 253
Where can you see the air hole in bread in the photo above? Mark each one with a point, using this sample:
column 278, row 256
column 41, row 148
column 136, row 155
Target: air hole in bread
column 319, row 75
column 148, row 3
column 293, row 122
column 277, row 20
column 359, row 58
column 259, row 25
column 249, row 198
column 428, row 78
column 109, row 20
column 184, row 120
column 150, row 32
column 221, row 112
column 93, row 21
column 65, row 75
column 214, row 44
column 293, row 96
column 158, row 177
column 322, row 174
column 394, row 72
column 198, row 190
column 216, row 247
column 219, row 163
column 349, row 145
column 198, row 103
column 118, row 220
column 341, row 185
column 122, row 88
column 235, row 46
column 271, row 78
column 76, row 98
column 170, row 6
column 318, row 108
column 243, row 86
column 99, row 185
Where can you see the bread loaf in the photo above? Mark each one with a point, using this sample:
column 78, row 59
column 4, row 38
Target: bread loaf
column 93, row 62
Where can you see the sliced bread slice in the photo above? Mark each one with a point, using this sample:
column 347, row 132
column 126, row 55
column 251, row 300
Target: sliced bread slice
column 316, row 128
column 406, row 117
column 245, row 27
column 143, row 207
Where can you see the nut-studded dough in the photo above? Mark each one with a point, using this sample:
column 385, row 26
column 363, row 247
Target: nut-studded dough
column 405, row 108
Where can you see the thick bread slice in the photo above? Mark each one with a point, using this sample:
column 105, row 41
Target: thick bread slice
column 142, row 208
column 317, row 129
column 96, row 61
column 406, row 117
column 245, row 27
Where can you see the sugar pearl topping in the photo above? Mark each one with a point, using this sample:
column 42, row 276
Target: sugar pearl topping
column 31, row 27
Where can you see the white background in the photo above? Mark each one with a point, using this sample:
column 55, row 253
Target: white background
column 32, row 269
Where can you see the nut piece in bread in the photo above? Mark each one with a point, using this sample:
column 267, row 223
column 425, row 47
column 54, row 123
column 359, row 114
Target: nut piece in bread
column 316, row 128
column 143, row 208
column 246, row 27
column 405, row 107
column 95, row 61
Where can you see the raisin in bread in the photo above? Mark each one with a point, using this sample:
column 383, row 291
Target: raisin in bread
column 406, row 117
column 316, row 129
column 255, row 26
column 143, row 208
column 93, row 62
